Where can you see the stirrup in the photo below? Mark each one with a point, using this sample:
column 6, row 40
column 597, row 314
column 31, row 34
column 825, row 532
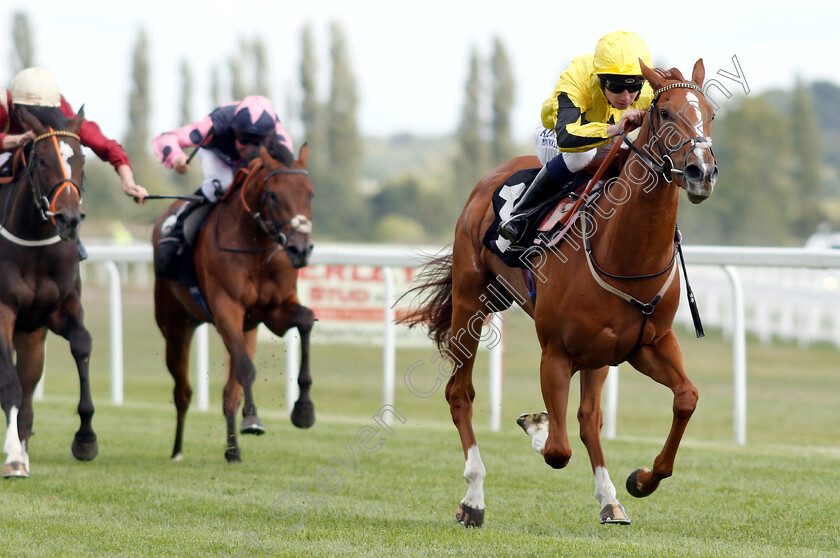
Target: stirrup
column 518, row 222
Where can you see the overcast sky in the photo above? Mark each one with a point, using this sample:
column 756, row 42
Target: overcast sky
column 410, row 59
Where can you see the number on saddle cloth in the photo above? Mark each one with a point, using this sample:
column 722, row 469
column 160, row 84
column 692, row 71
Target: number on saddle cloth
column 504, row 199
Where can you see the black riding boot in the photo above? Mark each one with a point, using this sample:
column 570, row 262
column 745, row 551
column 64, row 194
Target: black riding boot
column 172, row 240
column 543, row 186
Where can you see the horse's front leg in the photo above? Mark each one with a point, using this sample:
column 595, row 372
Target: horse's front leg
column 555, row 376
column 68, row 323
column 29, row 349
column 663, row 362
column 229, row 321
column 11, row 399
column 292, row 314
column 251, row 423
column 591, row 420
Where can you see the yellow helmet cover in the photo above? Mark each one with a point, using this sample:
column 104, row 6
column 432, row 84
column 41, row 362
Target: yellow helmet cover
column 619, row 52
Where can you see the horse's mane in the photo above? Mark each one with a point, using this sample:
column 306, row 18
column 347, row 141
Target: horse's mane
column 280, row 152
column 672, row 75
column 49, row 116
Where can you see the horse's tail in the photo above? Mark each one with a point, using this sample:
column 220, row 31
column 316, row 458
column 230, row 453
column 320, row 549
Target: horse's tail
column 434, row 291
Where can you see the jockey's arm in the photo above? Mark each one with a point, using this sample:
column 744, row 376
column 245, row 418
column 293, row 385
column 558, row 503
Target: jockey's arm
column 169, row 146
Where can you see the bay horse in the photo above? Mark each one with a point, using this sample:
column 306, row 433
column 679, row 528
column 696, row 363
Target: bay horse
column 40, row 288
column 590, row 309
column 246, row 256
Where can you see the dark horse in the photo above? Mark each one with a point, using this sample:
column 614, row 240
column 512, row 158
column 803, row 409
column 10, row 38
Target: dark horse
column 587, row 317
column 246, row 259
column 40, row 287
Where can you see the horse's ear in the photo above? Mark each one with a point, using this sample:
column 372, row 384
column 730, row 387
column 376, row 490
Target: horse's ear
column 29, row 119
column 698, row 74
column 77, row 120
column 304, row 154
column 651, row 76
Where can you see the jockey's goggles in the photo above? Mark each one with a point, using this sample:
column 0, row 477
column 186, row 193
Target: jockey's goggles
column 618, row 84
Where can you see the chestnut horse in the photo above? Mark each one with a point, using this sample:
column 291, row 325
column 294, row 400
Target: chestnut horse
column 40, row 287
column 610, row 302
column 246, row 259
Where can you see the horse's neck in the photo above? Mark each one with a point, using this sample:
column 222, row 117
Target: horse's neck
column 643, row 225
column 19, row 212
column 237, row 217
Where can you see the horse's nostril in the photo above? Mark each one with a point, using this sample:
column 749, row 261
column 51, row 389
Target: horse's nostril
column 693, row 173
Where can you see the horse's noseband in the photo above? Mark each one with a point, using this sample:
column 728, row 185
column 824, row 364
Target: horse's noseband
column 265, row 216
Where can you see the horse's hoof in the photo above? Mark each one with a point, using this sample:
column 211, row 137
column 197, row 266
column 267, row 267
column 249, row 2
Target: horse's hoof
column 15, row 469
column 232, row 456
column 177, row 457
column 85, row 451
column 469, row 517
column 614, row 514
column 252, row 425
column 633, row 486
column 303, row 414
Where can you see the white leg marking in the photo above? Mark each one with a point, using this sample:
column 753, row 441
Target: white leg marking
column 604, row 488
column 12, row 447
column 474, row 473
column 536, row 426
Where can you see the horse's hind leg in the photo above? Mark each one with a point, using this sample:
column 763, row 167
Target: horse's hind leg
column 591, row 420
column 29, row 348
column 251, row 423
column 178, row 329
column 465, row 333
column 177, row 362
column 663, row 363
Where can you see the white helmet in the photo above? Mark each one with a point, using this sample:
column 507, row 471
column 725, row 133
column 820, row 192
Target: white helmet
column 35, row 87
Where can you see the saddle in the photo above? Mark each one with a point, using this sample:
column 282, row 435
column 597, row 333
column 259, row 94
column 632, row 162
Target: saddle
column 175, row 255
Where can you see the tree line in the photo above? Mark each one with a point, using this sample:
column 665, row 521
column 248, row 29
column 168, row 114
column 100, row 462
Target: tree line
column 778, row 152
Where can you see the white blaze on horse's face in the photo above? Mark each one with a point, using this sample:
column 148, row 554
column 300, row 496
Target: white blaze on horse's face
column 66, row 153
column 700, row 171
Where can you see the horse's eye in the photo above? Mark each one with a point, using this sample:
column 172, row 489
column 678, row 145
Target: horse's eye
column 664, row 114
column 272, row 196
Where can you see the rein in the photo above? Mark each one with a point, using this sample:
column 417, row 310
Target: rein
column 46, row 207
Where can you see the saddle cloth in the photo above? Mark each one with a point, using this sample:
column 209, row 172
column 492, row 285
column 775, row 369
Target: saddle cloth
column 543, row 228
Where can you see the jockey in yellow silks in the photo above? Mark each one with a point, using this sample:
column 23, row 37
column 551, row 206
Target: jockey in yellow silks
column 591, row 99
